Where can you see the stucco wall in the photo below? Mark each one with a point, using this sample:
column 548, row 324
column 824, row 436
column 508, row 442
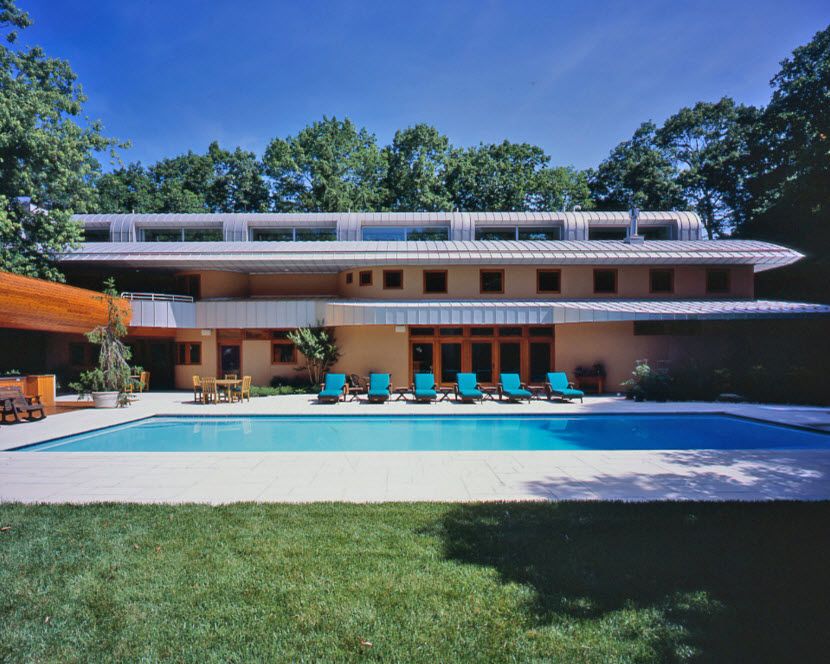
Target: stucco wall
column 265, row 285
column 520, row 283
column 374, row 348
column 183, row 373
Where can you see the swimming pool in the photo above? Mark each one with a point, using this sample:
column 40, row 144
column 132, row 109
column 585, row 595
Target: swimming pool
column 441, row 433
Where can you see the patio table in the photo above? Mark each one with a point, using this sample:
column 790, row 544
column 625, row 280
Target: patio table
column 228, row 383
column 401, row 392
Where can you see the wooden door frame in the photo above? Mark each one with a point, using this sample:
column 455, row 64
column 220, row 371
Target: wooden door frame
column 227, row 342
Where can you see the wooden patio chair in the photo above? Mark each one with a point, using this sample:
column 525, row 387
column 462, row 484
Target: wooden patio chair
column 144, row 381
column 16, row 404
column 197, row 388
column 244, row 390
column 209, row 392
column 231, row 376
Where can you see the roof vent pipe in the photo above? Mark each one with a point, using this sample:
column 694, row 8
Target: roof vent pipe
column 634, row 216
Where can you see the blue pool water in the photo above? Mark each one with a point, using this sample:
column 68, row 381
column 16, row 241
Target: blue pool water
column 425, row 433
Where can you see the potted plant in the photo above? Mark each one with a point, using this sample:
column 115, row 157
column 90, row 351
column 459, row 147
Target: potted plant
column 107, row 383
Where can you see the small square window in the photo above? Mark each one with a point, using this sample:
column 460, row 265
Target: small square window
column 365, row 278
column 717, row 281
column 605, row 281
column 282, row 352
column 548, row 281
column 188, row 353
column 392, row 279
column 661, row 281
column 435, row 281
column 349, row 277
column 492, row 281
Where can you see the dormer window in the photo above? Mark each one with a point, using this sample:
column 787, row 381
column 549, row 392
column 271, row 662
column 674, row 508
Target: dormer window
column 184, row 234
column 524, row 233
column 405, row 233
column 607, row 233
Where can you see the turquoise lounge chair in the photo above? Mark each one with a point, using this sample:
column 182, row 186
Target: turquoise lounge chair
column 423, row 389
column 466, row 387
column 379, row 387
column 334, row 389
column 558, row 385
column 511, row 386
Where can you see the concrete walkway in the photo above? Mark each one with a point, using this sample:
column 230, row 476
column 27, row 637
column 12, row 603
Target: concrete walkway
column 401, row 476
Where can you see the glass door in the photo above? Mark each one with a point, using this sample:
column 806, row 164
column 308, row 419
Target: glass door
column 230, row 359
column 539, row 361
column 510, row 357
column 481, row 356
column 450, row 361
column 422, row 357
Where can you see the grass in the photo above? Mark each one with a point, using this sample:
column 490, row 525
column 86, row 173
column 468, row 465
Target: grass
column 567, row 582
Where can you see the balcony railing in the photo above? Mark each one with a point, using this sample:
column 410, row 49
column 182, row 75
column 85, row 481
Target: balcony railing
column 156, row 297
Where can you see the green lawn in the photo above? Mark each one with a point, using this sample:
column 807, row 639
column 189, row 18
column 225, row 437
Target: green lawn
column 568, row 582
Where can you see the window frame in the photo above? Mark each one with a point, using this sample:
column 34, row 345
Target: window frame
column 613, row 271
column 188, row 362
column 389, row 272
column 349, row 278
column 651, row 288
column 543, row 270
column 481, row 274
column 446, row 275
column 360, row 281
column 283, row 343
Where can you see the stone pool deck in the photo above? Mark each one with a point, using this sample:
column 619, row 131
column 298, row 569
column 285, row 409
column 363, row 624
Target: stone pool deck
column 403, row 476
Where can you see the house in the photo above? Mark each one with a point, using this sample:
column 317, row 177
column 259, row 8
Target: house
column 524, row 292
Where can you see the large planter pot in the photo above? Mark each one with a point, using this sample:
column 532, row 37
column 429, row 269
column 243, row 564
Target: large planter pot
column 105, row 399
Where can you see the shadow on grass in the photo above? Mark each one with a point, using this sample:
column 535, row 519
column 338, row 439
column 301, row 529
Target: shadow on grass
column 743, row 582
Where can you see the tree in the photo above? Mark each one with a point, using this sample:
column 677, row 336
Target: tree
column 496, row 177
column 560, row 188
column 637, row 172
column 127, row 189
column 238, row 184
column 416, row 171
column 329, row 166
column 703, row 143
column 47, row 160
column 183, row 183
column 319, row 349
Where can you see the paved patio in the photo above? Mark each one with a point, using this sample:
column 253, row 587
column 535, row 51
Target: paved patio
column 402, row 476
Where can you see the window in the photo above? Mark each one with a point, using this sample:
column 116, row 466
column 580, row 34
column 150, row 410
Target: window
column 506, row 233
column 189, row 353
column 365, row 278
column 510, row 331
column 405, row 233
column 96, row 235
column 717, row 281
column 349, row 277
column 492, row 281
column 607, row 233
column 548, row 281
column 680, row 328
column 435, row 281
column 661, row 281
column 482, row 332
column 294, row 234
column 422, row 331
column 181, row 235
column 605, row 281
column 189, row 284
column 655, row 233
column 392, row 279
column 451, row 331
column 541, row 233
column 283, row 352
column 540, row 331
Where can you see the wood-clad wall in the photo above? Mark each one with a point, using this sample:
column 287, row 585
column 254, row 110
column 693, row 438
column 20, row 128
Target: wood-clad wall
column 34, row 304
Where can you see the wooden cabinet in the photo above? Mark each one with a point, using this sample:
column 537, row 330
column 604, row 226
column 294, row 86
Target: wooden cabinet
column 42, row 384
column 593, row 384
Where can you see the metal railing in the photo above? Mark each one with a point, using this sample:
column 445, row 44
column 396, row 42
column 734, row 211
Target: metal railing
column 156, row 297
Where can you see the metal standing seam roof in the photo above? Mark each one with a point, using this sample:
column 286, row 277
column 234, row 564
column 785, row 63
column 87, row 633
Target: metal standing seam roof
column 322, row 257
column 336, row 312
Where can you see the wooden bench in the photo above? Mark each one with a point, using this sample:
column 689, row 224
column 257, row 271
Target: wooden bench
column 15, row 403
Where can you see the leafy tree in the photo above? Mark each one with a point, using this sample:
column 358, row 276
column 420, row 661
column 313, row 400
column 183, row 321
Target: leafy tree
column 499, row 177
column 46, row 157
column 183, row 183
column 560, row 188
column 127, row 189
column 329, row 166
column 319, row 349
column 703, row 143
column 638, row 172
column 416, row 172
column 238, row 184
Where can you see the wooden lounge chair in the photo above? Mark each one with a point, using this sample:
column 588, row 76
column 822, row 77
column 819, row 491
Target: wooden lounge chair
column 424, row 389
column 242, row 391
column 512, row 387
column 16, row 404
column 467, row 388
column 197, row 388
column 231, row 376
column 380, row 387
column 559, row 386
column 209, row 392
column 334, row 388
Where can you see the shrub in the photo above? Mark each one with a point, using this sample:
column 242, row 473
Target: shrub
column 318, row 348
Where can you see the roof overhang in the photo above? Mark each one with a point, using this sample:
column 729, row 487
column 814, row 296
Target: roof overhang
column 331, row 257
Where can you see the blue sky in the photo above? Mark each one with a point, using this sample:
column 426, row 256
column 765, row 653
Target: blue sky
column 573, row 77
